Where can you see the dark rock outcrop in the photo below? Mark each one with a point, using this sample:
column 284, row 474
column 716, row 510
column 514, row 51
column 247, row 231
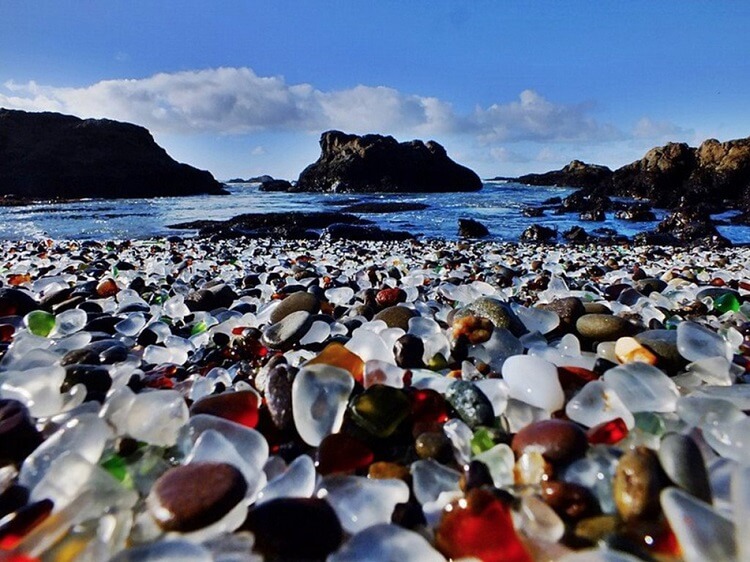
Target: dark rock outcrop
column 638, row 212
column 49, row 155
column 275, row 185
column 575, row 174
column 293, row 226
column 470, row 228
column 686, row 226
column 376, row 207
column 539, row 233
column 375, row 163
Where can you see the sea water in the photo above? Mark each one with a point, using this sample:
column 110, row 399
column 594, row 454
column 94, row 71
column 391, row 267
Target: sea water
column 498, row 206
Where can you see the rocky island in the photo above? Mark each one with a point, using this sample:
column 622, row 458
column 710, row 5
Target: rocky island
column 55, row 156
column 376, row 163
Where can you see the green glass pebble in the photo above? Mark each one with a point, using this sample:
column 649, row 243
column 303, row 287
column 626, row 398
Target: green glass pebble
column 482, row 440
column 651, row 423
column 117, row 468
column 39, row 322
column 728, row 302
column 437, row 362
column 380, row 409
column 198, row 328
column 672, row 322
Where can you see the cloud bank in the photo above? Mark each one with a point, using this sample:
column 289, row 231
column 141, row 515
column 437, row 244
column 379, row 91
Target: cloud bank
column 237, row 101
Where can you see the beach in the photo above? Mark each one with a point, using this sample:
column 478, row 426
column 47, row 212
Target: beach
column 176, row 398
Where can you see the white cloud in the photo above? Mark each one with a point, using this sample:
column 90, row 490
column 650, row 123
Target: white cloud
column 650, row 129
column 236, row 100
column 258, row 151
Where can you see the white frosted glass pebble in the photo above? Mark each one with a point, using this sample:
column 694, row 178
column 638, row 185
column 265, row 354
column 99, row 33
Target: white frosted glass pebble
column 595, row 403
column 430, row 479
column 69, row 322
column 703, row 533
column 497, row 392
column 536, row 319
column 38, row 388
column 319, row 397
column 155, row 417
column 339, row 295
column 85, row 435
column 642, row 387
column 730, row 439
column 380, row 372
column 386, row 542
column 132, row 325
column 362, row 502
column 501, row 345
column 459, row 434
column 298, row 481
column 251, row 443
column 423, row 327
column 534, row 381
column 165, row 551
column 175, row 307
column 369, row 345
column 741, row 509
column 696, row 342
column 500, row 461
column 595, row 471
column 538, row 520
column 715, row 370
column 520, row 414
column 318, row 332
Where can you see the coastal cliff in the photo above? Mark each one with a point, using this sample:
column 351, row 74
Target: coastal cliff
column 50, row 155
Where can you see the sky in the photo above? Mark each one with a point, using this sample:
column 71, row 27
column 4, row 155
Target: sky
column 244, row 88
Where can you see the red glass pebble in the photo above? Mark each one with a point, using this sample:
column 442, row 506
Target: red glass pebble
column 6, row 332
column 428, row 406
column 574, row 378
column 18, row 525
column 479, row 526
column 342, row 453
column 239, row 407
column 607, row 433
column 390, row 297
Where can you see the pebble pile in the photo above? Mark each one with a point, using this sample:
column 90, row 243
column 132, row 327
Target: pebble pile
column 250, row 400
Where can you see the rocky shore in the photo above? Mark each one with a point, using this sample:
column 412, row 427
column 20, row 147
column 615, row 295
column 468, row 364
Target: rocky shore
column 248, row 399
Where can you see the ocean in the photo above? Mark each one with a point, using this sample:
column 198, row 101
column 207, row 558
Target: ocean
column 498, row 206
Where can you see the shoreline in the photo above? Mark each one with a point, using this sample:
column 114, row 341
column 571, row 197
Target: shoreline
column 151, row 347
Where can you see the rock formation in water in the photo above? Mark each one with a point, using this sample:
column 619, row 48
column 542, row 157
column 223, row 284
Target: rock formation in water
column 49, row 155
column 575, row 174
column 670, row 176
column 376, row 163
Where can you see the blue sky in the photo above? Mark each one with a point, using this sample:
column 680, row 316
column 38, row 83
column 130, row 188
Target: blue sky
column 246, row 87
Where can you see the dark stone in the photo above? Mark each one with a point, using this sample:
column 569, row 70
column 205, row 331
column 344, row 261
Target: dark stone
column 396, row 316
column 284, row 334
column 538, row 233
column 559, row 441
column 569, row 309
column 640, row 212
column 470, row 228
column 470, row 403
column 375, row 163
column 192, row 496
column 15, row 302
column 49, row 155
column 279, row 396
column 408, row 351
column 294, row 529
column 275, row 185
column 295, row 302
column 575, row 174
column 96, row 379
column 576, row 235
column 18, row 434
column 532, row 212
